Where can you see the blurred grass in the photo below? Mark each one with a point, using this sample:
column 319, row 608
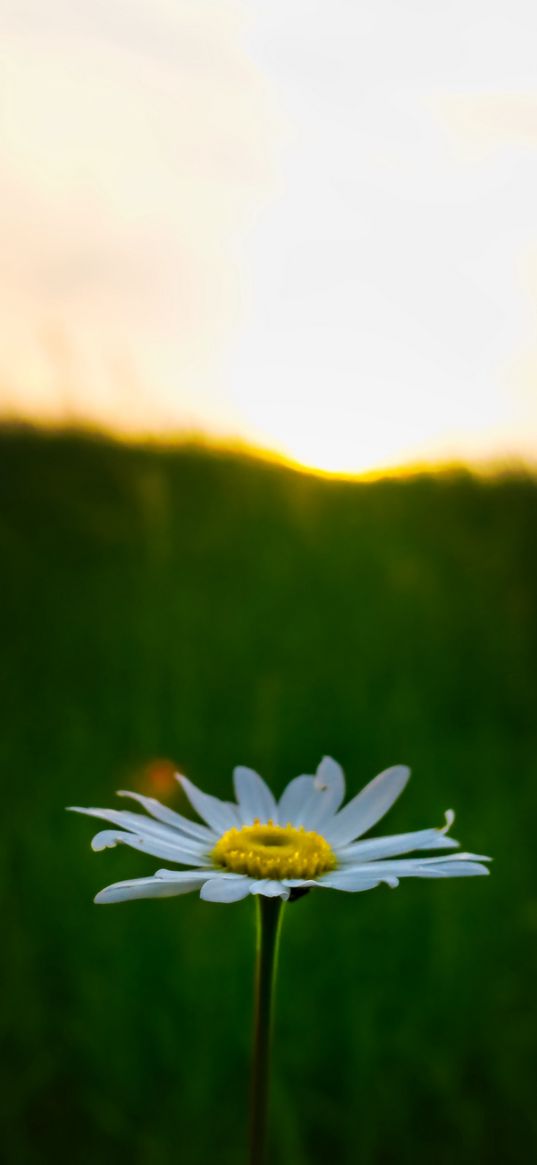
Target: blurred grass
column 215, row 610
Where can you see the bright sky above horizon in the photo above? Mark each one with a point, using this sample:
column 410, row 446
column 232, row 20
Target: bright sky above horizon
column 307, row 226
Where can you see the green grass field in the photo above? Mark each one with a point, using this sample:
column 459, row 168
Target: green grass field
column 213, row 610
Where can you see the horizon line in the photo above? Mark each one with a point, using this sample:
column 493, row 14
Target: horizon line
column 486, row 467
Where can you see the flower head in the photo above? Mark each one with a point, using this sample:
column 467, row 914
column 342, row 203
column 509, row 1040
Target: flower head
column 257, row 845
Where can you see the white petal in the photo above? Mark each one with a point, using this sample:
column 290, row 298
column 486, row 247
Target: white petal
column 220, row 815
column 462, row 870
column 170, row 817
column 330, row 777
column 339, row 880
column 367, row 807
column 151, row 887
column 254, row 796
column 226, row 888
column 269, row 889
column 174, row 852
column 452, row 866
column 294, row 799
column 351, row 882
column 298, row 883
column 167, row 875
column 327, row 794
column 398, row 843
column 145, row 826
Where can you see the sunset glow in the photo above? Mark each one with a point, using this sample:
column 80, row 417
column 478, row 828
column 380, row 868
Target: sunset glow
column 307, row 228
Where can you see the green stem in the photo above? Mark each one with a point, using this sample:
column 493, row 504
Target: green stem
column 269, row 917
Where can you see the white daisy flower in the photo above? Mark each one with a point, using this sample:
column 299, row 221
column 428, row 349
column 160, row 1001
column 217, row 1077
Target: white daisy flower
column 258, row 845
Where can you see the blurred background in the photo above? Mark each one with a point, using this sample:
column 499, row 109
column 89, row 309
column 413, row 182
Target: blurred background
column 267, row 491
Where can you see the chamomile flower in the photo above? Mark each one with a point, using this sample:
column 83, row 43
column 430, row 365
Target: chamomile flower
column 257, row 845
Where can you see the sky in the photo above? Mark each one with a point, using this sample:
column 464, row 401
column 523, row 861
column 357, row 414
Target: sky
column 306, row 226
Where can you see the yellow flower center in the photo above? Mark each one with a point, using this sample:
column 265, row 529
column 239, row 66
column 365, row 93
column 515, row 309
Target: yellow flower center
column 274, row 851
